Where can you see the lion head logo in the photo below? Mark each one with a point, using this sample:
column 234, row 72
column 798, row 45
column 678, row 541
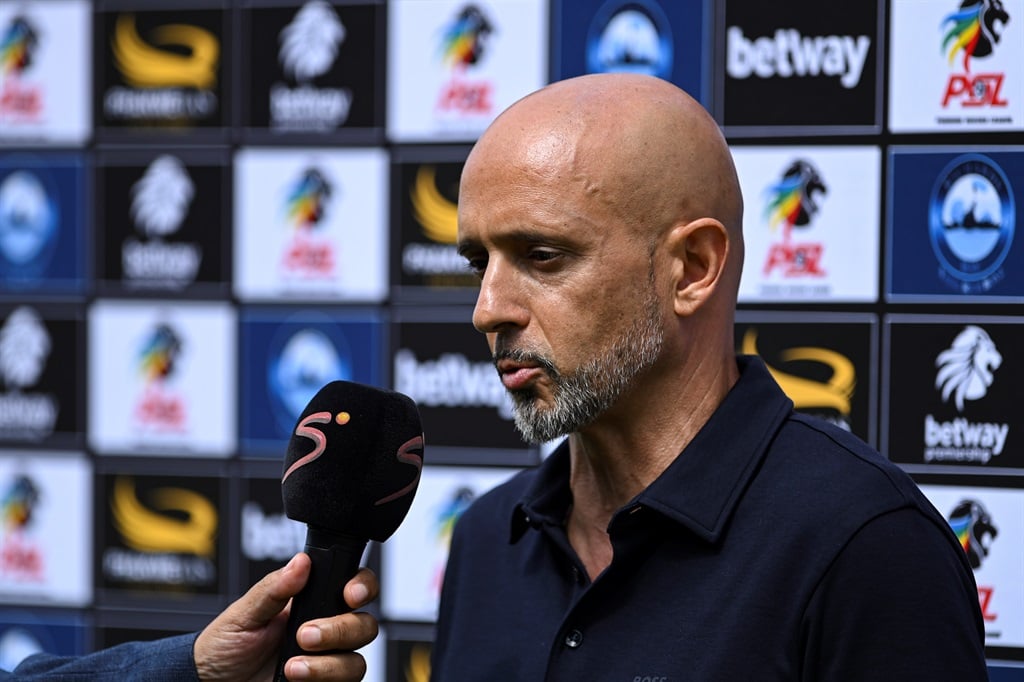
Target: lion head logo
column 974, row 29
column 973, row 527
column 24, row 348
column 966, row 367
column 161, row 197
column 17, row 46
column 792, row 201
column 307, row 200
column 309, row 44
column 465, row 38
column 159, row 353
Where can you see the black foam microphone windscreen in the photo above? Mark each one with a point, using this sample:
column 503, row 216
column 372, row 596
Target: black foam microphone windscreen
column 350, row 473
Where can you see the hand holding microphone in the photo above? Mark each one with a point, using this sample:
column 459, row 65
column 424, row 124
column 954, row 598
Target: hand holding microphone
column 350, row 473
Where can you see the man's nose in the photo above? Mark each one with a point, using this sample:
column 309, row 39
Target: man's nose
column 499, row 303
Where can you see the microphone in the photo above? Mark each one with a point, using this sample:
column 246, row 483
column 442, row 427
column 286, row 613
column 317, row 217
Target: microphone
column 350, row 473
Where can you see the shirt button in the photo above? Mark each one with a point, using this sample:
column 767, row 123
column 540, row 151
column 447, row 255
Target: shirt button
column 574, row 639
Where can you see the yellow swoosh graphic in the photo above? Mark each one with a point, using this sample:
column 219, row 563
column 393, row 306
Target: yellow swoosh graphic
column 438, row 216
column 145, row 66
column 804, row 393
column 418, row 669
column 147, row 531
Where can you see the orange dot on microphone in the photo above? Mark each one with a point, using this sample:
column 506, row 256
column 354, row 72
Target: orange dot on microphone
column 343, row 418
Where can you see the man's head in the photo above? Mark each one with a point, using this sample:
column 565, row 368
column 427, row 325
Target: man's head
column 603, row 216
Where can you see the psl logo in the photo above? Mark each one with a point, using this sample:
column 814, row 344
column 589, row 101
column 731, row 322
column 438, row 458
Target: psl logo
column 309, row 255
column 973, row 31
column 160, row 407
column 463, row 45
column 20, row 557
column 975, row 531
column 792, row 202
column 18, row 44
column 633, row 37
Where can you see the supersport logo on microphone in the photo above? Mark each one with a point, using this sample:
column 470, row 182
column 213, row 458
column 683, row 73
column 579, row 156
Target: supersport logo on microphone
column 410, row 452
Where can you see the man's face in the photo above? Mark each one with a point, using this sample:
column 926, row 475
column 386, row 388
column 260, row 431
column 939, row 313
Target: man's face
column 581, row 395
column 567, row 298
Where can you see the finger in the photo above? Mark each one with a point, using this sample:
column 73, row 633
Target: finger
column 268, row 597
column 343, row 666
column 362, row 588
column 339, row 633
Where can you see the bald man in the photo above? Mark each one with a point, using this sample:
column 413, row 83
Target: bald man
column 691, row 526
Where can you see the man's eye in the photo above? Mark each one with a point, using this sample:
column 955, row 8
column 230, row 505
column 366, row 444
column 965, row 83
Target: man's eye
column 476, row 265
column 542, row 255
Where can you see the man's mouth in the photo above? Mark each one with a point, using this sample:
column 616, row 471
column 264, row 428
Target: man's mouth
column 516, row 375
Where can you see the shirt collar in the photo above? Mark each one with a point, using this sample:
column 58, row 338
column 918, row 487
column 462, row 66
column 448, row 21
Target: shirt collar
column 702, row 486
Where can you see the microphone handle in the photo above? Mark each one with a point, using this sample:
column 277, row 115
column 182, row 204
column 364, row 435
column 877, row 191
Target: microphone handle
column 335, row 560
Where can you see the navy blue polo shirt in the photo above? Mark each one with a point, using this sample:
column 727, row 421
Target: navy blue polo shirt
column 775, row 547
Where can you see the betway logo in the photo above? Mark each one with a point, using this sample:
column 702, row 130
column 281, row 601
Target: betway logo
column 269, row 536
column 962, row 440
column 450, row 381
column 789, row 54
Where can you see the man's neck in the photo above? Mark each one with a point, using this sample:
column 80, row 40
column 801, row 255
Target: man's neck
column 627, row 448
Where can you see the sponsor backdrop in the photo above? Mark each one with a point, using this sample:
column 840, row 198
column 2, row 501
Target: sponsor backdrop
column 207, row 212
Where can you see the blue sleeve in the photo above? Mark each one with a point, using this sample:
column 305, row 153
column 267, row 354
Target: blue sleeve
column 162, row 660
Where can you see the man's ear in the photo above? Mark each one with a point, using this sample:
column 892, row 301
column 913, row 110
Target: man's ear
column 699, row 251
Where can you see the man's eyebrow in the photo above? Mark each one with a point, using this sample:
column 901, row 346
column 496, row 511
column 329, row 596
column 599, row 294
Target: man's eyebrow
column 465, row 246
column 522, row 235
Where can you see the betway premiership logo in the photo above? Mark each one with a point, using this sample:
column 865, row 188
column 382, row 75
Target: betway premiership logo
column 160, row 202
column 309, row 49
column 24, row 349
column 965, row 373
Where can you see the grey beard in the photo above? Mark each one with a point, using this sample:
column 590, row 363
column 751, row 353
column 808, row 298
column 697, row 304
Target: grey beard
column 582, row 396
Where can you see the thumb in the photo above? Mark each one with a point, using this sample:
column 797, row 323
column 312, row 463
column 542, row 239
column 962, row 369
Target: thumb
column 269, row 596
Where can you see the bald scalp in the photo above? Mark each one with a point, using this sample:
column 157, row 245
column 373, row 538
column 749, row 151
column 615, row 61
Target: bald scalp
column 638, row 145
